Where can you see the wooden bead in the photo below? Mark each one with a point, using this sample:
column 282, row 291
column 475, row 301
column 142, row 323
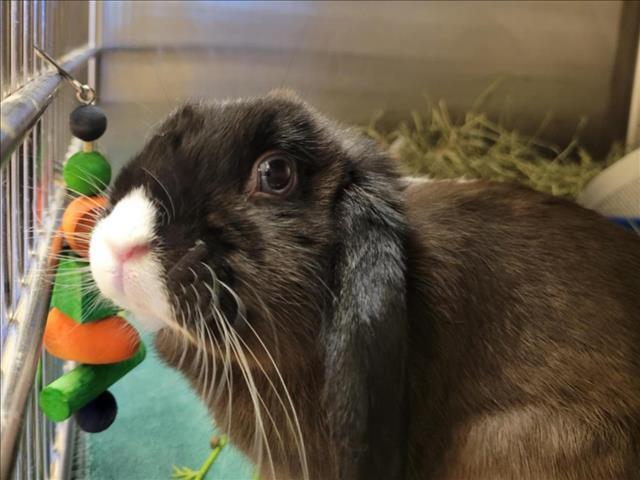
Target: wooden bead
column 97, row 415
column 88, row 122
column 86, row 173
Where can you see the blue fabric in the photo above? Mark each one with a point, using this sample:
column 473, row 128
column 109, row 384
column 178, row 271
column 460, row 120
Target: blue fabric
column 629, row 223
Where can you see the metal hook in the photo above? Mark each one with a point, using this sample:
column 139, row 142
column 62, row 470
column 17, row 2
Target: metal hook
column 84, row 93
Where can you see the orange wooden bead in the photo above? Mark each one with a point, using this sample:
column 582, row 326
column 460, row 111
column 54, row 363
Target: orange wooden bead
column 79, row 219
column 104, row 341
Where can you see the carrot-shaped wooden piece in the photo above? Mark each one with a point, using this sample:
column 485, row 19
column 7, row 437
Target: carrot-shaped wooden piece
column 79, row 219
column 75, row 294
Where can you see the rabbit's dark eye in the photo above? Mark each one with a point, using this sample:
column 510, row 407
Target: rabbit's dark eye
column 276, row 174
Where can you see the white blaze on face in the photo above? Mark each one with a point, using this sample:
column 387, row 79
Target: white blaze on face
column 125, row 267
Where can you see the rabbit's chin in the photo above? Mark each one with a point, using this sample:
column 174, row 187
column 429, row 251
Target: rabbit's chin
column 125, row 267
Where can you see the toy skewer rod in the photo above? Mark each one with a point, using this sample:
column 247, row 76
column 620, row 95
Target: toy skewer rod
column 62, row 397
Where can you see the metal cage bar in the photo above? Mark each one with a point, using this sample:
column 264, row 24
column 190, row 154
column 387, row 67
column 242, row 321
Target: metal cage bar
column 34, row 142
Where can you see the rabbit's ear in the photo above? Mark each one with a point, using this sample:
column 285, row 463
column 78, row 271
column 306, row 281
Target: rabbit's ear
column 366, row 339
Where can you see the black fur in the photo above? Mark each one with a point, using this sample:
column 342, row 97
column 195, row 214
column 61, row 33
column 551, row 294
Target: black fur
column 345, row 211
column 366, row 338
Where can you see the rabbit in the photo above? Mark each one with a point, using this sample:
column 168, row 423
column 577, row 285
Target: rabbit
column 340, row 320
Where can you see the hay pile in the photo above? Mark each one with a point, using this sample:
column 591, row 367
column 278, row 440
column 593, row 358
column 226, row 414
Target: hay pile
column 476, row 147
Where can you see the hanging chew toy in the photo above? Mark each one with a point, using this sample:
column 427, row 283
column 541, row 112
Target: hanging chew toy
column 82, row 326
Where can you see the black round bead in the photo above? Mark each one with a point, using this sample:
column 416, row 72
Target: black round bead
column 88, row 122
column 98, row 414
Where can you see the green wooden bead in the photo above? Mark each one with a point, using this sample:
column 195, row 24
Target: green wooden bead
column 76, row 388
column 86, row 173
column 75, row 294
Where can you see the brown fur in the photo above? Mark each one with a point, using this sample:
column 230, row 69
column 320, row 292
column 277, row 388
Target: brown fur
column 526, row 337
column 525, row 345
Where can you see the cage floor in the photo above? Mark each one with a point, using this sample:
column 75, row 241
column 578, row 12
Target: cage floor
column 160, row 423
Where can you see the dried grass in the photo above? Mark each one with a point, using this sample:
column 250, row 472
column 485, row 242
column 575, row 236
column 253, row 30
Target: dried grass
column 434, row 144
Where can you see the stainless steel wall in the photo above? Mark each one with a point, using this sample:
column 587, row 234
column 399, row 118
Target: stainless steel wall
column 564, row 58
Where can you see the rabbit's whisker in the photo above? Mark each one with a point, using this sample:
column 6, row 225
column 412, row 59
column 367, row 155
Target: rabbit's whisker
column 166, row 191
